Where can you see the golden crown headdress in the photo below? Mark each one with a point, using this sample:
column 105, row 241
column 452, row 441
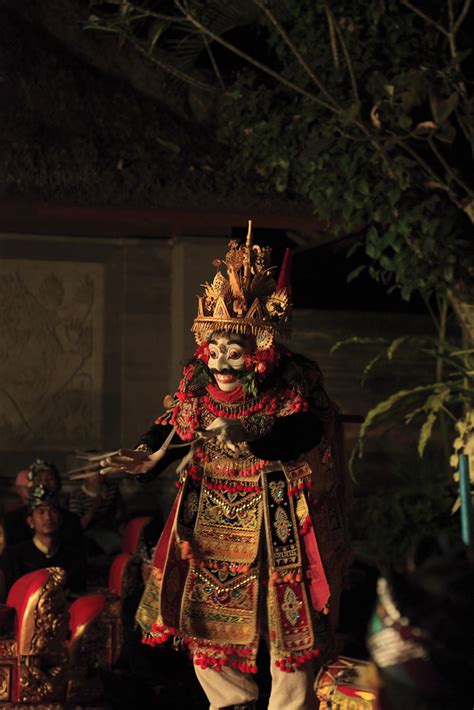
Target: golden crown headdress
column 249, row 300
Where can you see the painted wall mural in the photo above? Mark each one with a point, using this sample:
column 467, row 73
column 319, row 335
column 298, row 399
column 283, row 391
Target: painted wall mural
column 51, row 354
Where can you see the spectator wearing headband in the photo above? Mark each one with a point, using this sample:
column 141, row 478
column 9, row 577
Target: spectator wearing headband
column 15, row 524
column 421, row 634
column 47, row 548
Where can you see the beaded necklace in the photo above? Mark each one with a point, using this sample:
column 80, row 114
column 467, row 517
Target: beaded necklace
column 234, row 410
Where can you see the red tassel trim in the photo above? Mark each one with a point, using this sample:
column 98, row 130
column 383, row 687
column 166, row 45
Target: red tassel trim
column 187, row 552
column 288, row 578
column 216, row 656
column 244, row 667
column 195, row 472
column 289, row 664
column 201, row 456
column 161, row 634
column 299, row 485
column 205, row 655
column 306, row 526
column 244, row 410
column 242, row 472
column 215, row 662
column 232, row 488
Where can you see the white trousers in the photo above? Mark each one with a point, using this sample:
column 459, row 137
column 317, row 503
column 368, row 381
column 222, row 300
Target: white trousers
column 229, row 686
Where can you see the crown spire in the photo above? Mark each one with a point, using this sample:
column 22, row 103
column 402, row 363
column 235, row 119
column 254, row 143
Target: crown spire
column 247, row 252
column 284, row 279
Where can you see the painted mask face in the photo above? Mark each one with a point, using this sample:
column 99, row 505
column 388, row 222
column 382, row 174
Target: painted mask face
column 226, row 359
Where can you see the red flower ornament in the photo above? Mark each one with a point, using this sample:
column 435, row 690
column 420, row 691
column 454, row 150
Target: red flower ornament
column 202, row 352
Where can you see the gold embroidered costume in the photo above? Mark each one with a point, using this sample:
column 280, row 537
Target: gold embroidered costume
column 241, row 542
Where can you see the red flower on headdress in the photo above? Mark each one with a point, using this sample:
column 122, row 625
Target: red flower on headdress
column 202, row 352
column 262, row 360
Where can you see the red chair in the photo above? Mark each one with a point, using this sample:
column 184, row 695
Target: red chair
column 124, row 576
column 89, row 648
column 51, row 654
column 132, row 533
column 33, row 659
column 121, row 574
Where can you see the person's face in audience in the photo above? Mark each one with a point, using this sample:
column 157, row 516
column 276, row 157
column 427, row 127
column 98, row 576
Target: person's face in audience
column 47, row 479
column 45, row 519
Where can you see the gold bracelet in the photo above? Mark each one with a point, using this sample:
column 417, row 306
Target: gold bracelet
column 145, row 448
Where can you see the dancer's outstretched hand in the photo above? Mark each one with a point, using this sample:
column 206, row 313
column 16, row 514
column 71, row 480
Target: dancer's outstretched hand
column 121, row 461
column 130, row 461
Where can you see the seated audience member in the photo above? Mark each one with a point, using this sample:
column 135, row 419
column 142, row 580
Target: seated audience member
column 22, row 489
column 98, row 504
column 46, row 549
column 15, row 523
column 420, row 636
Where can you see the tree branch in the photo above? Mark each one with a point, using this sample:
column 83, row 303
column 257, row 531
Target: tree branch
column 294, row 50
column 448, row 168
column 332, row 37
column 212, row 59
column 452, row 34
column 65, row 20
column 377, row 147
column 426, row 17
column 169, row 68
column 427, row 168
column 146, row 12
column 347, row 57
column 251, row 60
column 462, row 15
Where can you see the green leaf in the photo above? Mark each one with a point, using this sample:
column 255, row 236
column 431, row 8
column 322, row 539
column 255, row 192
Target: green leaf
column 386, row 410
column 426, row 432
column 395, row 345
column 357, row 341
column 168, row 145
column 353, row 249
column 159, row 26
column 400, row 397
column 435, row 403
column 369, row 367
column 371, row 250
column 355, row 273
column 350, row 114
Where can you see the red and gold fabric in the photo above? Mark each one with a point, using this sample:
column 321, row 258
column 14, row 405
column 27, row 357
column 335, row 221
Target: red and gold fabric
column 242, row 533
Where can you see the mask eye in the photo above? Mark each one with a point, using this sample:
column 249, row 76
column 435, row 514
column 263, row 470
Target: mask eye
column 213, row 353
column 234, row 353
